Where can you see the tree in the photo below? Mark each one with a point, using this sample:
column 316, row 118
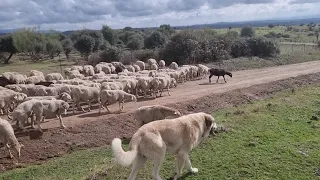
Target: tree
column 53, row 47
column 7, row 46
column 247, row 31
column 271, row 26
column 94, row 34
column 135, row 43
column 166, row 29
column 67, row 46
column 84, row 45
column 317, row 35
column 156, row 39
column 108, row 34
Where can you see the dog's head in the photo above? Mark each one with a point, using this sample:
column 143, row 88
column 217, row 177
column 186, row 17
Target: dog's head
column 210, row 126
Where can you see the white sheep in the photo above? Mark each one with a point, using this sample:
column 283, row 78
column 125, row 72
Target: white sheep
column 34, row 79
column 37, row 73
column 151, row 61
column 54, row 76
column 63, row 96
column 130, row 68
column 144, row 84
column 79, row 68
column 154, row 67
column 141, row 64
column 84, row 94
column 162, row 64
column 15, row 77
column 88, row 70
column 8, row 97
column 113, row 96
column 159, row 84
column 7, row 137
column 146, row 114
column 48, row 108
column 174, row 66
column 136, row 68
column 21, row 113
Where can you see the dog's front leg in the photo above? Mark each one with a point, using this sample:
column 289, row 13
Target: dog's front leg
column 188, row 165
column 180, row 163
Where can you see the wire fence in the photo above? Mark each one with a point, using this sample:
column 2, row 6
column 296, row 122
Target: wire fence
column 290, row 47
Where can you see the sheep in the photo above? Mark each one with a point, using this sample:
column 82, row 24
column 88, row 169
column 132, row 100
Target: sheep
column 34, row 79
column 46, row 91
column 15, row 77
column 63, row 96
column 146, row 114
column 14, row 87
column 173, row 83
column 54, row 76
column 203, row 70
column 151, row 61
column 162, row 64
column 79, row 68
column 174, row 66
column 130, row 68
column 160, row 83
column 141, row 64
column 4, row 81
column 88, row 70
column 46, row 108
column 154, row 67
column 136, row 68
column 106, row 69
column 21, row 113
column 8, row 97
column 7, row 137
column 144, row 84
column 84, row 94
column 218, row 72
column 113, row 96
column 36, row 73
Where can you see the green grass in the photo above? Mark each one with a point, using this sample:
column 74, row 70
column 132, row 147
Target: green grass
column 268, row 139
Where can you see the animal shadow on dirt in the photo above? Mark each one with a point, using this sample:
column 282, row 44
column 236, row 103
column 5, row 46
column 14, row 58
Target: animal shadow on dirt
column 211, row 83
column 96, row 114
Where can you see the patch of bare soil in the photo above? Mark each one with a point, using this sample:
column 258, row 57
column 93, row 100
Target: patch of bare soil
column 90, row 130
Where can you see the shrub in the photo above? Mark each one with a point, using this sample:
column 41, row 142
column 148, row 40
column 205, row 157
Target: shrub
column 145, row 54
column 111, row 54
column 84, row 45
column 247, row 31
column 263, row 47
column 156, row 39
column 54, row 47
column 240, row 48
column 285, row 35
column 67, row 47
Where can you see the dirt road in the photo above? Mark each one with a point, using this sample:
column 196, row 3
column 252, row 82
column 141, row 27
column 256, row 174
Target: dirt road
column 86, row 130
column 200, row 88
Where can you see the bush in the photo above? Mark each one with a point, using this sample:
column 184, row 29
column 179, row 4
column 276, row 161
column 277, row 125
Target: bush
column 156, row 39
column 84, row 45
column 111, row 54
column 263, row 47
column 145, row 54
column 247, row 31
column 285, row 35
column 67, row 47
column 54, row 47
column 240, row 48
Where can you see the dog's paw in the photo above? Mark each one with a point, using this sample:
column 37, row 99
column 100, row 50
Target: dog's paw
column 194, row 170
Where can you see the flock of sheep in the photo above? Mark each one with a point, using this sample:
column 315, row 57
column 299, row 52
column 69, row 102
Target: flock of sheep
column 42, row 96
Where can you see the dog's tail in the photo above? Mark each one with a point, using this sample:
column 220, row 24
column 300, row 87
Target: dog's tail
column 123, row 158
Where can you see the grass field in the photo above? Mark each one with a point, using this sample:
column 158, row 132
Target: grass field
column 298, row 34
column 268, row 139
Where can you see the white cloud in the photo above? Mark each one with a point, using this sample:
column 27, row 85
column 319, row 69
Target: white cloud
column 78, row 14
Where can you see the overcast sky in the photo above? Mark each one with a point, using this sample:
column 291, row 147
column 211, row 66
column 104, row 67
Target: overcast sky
column 92, row 14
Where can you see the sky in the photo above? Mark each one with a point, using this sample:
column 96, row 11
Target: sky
column 92, row 14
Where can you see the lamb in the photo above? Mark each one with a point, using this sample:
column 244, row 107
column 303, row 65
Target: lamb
column 46, row 108
column 141, row 64
column 174, row 66
column 37, row 73
column 218, row 72
column 136, row 68
column 54, row 76
column 154, row 67
column 84, row 94
column 146, row 114
column 7, row 137
column 113, row 96
column 162, row 64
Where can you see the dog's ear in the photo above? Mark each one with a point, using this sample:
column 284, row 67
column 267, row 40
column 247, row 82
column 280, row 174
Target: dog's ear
column 208, row 122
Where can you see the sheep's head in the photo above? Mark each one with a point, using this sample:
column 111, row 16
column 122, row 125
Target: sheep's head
column 65, row 96
column 63, row 107
column 19, row 97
